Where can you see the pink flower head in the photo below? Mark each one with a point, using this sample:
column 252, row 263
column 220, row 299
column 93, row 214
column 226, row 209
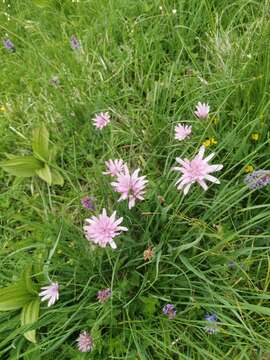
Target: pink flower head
column 182, row 131
column 196, row 170
column 85, row 342
column 202, row 110
column 50, row 293
column 103, row 229
column 101, row 120
column 130, row 186
column 104, row 295
column 114, row 167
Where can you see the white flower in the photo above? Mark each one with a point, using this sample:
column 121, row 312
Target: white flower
column 50, row 293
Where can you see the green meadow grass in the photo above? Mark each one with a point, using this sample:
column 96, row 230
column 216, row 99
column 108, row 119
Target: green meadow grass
column 145, row 65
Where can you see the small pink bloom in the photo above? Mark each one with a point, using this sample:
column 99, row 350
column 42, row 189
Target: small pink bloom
column 130, row 186
column 202, row 110
column 104, row 295
column 50, row 293
column 196, row 170
column 101, row 120
column 182, row 131
column 114, row 167
column 85, row 342
column 103, row 229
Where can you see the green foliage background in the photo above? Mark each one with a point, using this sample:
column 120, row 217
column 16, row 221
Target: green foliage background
column 144, row 65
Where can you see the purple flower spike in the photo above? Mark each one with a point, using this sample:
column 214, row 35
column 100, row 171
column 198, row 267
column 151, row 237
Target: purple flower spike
column 104, row 295
column 257, row 179
column 88, row 203
column 8, row 44
column 85, row 342
column 170, row 311
column 75, row 43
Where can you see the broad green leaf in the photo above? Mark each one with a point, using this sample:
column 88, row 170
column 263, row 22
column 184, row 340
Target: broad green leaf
column 14, row 297
column 45, row 174
column 40, row 143
column 23, row 166
column 57, row 179
column 29, row 316
column 52, row 153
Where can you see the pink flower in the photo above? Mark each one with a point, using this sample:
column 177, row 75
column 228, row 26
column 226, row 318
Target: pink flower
column 85, row 342
column 104, row 295
column 196, row 170
column 114, row 167
column 50, row 293
column 103, row 229
column 101, row 120
column 202, row 110
column 182, row 131
column 130, row 186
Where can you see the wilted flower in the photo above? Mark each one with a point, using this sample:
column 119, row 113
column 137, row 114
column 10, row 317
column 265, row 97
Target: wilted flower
column 114, row 167
column 103, row 229
column 8, row 44
column 202, row 110
column 232, row 264
column 257, row 179
column 85, row 342
column 101, row 120
column 148, row 254
column 75, row 43
column 55, row 81
column 130, row 186
column 182, row 131
column 104, row 295
column 88, row 203
column 170, row 311
column 50, row 293
column 212, row 327
column 196, row 170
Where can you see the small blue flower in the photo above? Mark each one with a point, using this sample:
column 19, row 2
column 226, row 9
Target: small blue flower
column 211, row 317
column 212, row 327
column 8, row 44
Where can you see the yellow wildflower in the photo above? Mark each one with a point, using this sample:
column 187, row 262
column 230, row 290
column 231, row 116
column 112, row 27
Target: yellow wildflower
column 206, row 143
column 3, row 108
column 249, row 168
column 255, row 136
column 213, row 141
